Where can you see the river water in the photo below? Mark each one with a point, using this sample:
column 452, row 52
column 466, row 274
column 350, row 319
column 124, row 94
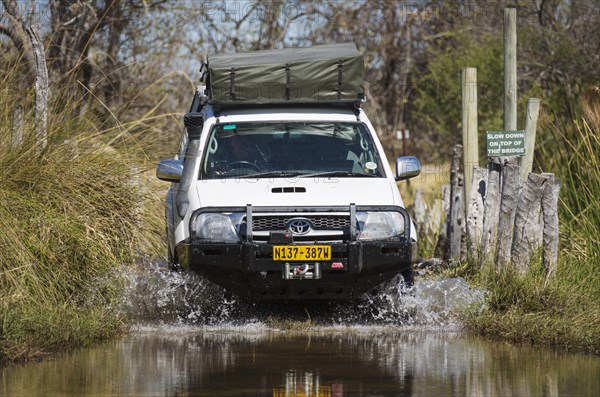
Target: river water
column 191, row 339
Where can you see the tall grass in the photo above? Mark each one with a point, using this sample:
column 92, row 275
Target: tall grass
column 72, row 217
column 563, row 311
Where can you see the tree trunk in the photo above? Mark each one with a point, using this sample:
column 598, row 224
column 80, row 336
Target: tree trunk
column 17, row 33
column 41, row 89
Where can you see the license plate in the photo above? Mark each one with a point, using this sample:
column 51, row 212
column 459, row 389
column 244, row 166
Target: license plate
column 301, row 252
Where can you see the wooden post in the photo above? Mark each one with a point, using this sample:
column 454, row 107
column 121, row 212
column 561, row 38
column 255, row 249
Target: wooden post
column 457, row 211
column 434, row 220
column 492, row 209
column 492, row 217
column 441, row 247
column 550, row 216
column 491, row 213
column 510, row 69
column 476, row 209
column 41, row 89
column 420, row 210
column 526, row 220
column 469, row 127
column 533, row 110
column 510, row 75
column 446, row 201
column 508, row 209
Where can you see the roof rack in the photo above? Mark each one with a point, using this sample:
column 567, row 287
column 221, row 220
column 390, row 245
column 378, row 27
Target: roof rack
column 301, row 76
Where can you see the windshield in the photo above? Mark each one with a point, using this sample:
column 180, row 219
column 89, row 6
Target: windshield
column 284, row 149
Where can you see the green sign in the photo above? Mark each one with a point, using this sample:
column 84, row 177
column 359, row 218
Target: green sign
column 505, row 143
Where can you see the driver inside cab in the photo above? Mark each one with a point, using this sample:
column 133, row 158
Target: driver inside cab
column 237, row 155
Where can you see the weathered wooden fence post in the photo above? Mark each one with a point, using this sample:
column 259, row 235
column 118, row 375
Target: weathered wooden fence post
column 476, row 206
column 41, row 89
column 420, row 209
column 491, row 213
column 527, row 220
column 508, row 209
column 533, row 110
column 550, row 216
column 469, row 127
column 441, row 248
column 446, row 200
column 457, row 210
column 510, row 69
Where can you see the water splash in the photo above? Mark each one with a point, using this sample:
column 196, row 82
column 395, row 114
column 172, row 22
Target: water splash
column 156, row 295
column 432, row 304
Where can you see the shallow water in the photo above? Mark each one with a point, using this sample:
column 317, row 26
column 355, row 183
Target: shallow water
column 192, row 339
column 252, row 360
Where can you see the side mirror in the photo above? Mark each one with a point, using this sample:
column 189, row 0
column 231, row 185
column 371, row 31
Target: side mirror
column 169, row 170
column 407, row 167
column 193, row 122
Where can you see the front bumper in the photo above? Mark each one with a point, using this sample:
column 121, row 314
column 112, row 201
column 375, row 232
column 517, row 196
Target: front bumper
column 247, row 268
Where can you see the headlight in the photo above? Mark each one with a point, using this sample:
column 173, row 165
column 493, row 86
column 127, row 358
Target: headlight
column 379, row 225
column 214, row 227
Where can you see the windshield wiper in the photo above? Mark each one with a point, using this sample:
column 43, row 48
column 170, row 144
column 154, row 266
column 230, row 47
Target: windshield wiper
column 271, row 174
column 337, row 173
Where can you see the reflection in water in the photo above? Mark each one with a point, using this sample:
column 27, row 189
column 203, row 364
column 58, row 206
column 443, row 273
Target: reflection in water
column 253, row 360
column 307, row 385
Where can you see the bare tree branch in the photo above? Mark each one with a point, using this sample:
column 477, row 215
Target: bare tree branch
column 17, row 33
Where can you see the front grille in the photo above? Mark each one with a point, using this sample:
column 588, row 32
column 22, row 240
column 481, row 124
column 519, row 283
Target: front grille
column 320, row 222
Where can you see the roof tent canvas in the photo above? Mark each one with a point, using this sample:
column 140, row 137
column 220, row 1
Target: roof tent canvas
column 320, row 74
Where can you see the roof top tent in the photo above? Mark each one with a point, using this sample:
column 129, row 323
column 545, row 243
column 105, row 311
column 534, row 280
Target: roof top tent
column 326, row 74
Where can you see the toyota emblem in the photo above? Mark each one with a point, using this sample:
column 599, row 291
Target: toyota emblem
column 299, row 226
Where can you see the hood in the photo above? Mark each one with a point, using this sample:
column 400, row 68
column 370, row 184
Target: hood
column 295, row 191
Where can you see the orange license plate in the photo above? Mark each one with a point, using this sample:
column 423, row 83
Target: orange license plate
column 301, row 253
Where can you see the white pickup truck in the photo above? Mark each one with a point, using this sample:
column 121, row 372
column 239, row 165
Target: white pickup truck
column 286, row 199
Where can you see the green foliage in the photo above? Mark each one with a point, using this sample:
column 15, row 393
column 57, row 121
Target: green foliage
column 564, row 312
column 72, row 218
column 557, row 66
column 438, row 102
